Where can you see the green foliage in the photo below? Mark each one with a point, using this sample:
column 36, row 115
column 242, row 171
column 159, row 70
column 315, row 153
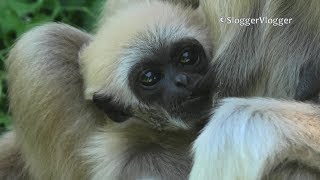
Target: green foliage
column 18, row 16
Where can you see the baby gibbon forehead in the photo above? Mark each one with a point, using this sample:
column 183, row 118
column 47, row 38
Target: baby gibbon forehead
column 123, row 40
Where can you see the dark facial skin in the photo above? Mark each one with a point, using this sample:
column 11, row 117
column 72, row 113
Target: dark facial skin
column 114, row 111
column 171, row 77
column 308, row 88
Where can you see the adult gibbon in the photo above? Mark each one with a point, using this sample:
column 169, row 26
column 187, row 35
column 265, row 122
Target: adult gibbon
column 263, row 138
column 152, row 81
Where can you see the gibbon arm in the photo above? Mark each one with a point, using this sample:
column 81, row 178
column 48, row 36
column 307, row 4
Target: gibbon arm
column 249, row 139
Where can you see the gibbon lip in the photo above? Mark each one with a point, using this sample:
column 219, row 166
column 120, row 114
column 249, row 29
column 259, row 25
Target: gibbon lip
column 192, row 100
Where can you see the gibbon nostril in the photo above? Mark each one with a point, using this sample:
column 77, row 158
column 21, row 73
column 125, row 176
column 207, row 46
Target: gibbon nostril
column 181, row 80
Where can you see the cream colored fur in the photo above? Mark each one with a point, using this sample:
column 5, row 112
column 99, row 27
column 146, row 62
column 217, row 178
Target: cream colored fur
column 110, row 56
column 263, row 60
column 59, row 134
column 247, row 139
column 53, row 71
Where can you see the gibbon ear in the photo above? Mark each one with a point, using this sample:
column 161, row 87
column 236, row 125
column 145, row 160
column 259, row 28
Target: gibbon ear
column 309, row 82
column 114, row 111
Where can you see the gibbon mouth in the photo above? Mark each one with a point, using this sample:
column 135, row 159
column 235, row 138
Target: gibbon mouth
column 194, row 108
column 195, row 101
column 203, row 89
column 191, row 100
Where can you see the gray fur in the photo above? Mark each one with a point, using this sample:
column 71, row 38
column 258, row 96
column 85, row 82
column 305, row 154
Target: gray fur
column 267, row 61
column 264, row 60
column 12, row 166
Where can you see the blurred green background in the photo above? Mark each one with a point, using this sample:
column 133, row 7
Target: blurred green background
column 18, row 16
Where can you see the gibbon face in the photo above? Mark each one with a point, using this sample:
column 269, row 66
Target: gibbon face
column 169, row 78
column 150, row 57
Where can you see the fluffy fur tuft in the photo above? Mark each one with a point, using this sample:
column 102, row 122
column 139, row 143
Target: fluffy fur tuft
column 259, row 139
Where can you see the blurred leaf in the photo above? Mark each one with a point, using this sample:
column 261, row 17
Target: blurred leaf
column 22, row 8
column 5, row 122
column 18, row 16
column 78, row 3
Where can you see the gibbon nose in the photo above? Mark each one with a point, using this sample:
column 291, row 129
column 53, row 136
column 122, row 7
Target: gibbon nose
column 181, row 80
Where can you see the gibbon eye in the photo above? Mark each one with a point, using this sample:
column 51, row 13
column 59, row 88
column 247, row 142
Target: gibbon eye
column 188, row 57
column 150, row 77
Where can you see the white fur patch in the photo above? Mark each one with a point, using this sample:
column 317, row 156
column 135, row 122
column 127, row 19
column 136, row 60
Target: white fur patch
column 241, row 138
